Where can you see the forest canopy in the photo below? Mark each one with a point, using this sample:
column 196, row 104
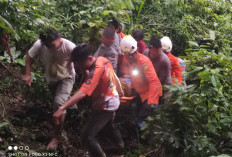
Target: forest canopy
column 197, row 122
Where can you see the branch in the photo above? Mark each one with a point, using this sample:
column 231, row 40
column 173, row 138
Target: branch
column 158, row 150
column 10, row 71
column 150, row 152
column 5, row 43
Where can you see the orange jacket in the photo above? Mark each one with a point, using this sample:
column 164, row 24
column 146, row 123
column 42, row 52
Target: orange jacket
column 101, row 85
column 146, row 82
column 175, row 68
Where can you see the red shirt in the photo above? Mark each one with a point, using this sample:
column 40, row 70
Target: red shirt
column 141, row 46
column 101, row 85
column 175, row 68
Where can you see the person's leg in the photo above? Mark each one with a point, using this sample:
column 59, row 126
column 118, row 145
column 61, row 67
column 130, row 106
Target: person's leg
column 62, row 93
column 143, row 110
column 96, row 122
column 114, row 135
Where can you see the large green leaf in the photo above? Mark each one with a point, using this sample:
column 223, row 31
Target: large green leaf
column 204, row 75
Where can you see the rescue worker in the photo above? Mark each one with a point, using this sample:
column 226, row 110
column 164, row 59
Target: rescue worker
column 101, row 86
column 109, row 47
column 138, row 36
column 143, row 78
column 175, row 66
column 55, row 53
column 159, row 60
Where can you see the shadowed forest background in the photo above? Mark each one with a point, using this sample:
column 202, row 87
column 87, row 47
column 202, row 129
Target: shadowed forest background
column 196, row 123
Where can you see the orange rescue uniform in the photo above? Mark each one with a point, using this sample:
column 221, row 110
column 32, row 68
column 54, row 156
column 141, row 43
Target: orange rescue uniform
column 175, row 68
column 101, row 85
column 146, row 82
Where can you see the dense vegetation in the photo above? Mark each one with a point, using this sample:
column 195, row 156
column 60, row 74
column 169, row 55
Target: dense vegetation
column 197, row 122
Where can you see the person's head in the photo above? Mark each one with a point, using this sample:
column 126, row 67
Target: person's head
column 82, row 56
column 107, row 36
column 115, row 24
column 138, row 35
column 166, row 44
column 51, row 38
column 155, row 47
column 129, row 48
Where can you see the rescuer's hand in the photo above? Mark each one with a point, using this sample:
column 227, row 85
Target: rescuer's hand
column 27, row 80
column 57, row 116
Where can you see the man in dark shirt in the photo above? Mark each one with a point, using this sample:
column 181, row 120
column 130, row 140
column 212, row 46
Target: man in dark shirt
column 109, row 47
column 159, row 60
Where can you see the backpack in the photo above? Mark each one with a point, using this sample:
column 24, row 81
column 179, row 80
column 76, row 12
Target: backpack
column 183, row 67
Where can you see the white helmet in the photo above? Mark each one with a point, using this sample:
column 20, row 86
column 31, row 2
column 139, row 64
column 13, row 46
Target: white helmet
column 128, row 45
column 166, row 44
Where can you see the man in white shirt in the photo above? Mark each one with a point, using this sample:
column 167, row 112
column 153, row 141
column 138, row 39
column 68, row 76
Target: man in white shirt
column 55, row 54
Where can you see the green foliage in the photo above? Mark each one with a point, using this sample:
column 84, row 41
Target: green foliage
column 184, row 21
column 134, row 153
column 76, row 20
column 82, row 22
column 7, row 28
column 26, row 16
column 197, row 121
column 3, row 127
column 222, row 155
column 15, row 54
